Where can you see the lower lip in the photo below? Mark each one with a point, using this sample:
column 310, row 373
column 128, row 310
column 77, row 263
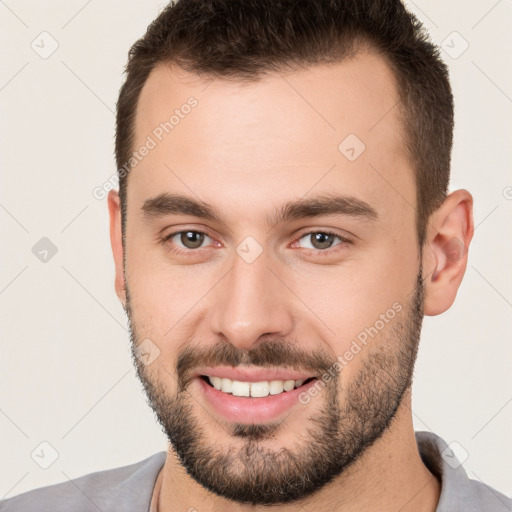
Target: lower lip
column 249, row 410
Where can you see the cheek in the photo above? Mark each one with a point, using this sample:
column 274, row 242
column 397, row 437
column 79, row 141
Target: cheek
column 165, row 297
column 360, row 302
column 160, row 301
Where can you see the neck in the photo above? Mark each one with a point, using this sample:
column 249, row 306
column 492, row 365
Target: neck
column 389, row 476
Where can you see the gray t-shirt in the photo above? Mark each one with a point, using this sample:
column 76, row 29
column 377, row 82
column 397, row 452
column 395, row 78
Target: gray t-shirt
column 129, row 488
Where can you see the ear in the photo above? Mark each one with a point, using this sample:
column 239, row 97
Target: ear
column 445, row 255
column 114, row 208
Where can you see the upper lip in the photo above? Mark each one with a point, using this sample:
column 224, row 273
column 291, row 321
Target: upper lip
column 249, row 374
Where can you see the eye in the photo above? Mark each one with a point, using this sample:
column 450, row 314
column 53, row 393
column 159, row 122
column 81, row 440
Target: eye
column 188, row 239
column 322, row 240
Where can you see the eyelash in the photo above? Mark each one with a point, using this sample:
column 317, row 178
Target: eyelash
column 180, row 251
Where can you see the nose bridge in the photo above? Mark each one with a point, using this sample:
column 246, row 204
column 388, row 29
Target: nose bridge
column 251, row 302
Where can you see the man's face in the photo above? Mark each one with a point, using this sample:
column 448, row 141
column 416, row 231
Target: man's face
column 237, row 291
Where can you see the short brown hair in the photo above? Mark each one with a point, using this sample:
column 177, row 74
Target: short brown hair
column 244, row 39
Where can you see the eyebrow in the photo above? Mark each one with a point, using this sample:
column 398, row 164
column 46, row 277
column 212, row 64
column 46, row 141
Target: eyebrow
column 175, row 204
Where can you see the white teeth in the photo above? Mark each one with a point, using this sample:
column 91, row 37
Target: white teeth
column 276, row 387
column 216, row 382
column 289, row 385
column 227, row 385
column 240, row 388
column 254, row 389
column 260, row 389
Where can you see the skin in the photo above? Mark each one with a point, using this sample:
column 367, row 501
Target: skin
column 247, row 149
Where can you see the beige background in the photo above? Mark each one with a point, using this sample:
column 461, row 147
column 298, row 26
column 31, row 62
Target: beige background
column 66, row 374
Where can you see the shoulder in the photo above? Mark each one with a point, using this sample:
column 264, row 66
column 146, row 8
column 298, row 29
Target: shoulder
column 488, row 499
column 458, row 491
column 119, row 489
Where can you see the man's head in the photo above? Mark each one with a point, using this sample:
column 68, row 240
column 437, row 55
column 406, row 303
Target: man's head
column 243, row 41
column 295, row 170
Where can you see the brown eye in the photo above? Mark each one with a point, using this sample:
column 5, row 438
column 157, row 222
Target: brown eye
column 191, row 239
column 187, row 239
column 320, row 240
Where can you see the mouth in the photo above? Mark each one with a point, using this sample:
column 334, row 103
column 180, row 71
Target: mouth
column 259, row 389
column 251, row 400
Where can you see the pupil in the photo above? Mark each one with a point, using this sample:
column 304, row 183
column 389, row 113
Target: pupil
column 322, row 240
column 192, row 239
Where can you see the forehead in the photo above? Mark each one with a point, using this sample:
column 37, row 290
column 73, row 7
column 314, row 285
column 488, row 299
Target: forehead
column 352, row 94
column 287, row 129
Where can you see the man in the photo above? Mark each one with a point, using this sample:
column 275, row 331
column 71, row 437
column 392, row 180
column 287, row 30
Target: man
column 282, row 225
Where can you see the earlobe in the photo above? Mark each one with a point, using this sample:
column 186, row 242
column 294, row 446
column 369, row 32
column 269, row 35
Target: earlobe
column 449, row 234
column 116, row 241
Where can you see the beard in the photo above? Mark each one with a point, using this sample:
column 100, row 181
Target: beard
column 247, row 471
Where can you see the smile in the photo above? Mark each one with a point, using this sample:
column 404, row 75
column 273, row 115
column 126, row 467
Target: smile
column 253, row 389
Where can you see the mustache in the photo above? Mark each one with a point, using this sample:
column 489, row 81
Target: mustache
column 267, row 354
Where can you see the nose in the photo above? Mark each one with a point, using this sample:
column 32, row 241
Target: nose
column 251, row 301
